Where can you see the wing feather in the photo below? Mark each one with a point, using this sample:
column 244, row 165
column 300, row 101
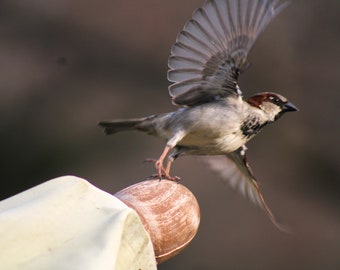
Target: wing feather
column 211, row 50
column 235, row 170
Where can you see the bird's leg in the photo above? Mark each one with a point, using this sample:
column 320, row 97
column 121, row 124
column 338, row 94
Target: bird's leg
column 161, row 172
column 168, row 166
column 174, row 154
column 165, row 173
column 159, row 162
column 171, row 159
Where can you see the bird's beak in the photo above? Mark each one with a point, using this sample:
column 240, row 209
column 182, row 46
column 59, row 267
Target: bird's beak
column 290, row 107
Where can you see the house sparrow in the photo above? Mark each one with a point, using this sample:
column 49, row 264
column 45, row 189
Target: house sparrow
column 213, row 119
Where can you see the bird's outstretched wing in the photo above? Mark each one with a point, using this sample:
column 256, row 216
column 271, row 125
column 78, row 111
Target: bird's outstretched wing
column 234, row 169
column 211, row 50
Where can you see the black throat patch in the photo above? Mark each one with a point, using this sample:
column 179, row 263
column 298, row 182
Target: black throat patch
column 251, row 126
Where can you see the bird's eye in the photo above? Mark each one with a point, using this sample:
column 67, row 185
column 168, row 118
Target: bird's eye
column 275, row 100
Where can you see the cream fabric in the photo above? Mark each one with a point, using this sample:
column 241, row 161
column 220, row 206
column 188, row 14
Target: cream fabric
column 67, row 223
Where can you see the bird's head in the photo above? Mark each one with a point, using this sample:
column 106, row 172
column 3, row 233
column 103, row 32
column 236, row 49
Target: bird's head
column 272, row 104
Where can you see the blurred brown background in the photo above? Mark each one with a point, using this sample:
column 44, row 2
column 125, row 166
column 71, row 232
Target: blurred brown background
column 65, row 65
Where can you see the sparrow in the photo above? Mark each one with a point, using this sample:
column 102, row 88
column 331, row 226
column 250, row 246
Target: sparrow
column 213, row 118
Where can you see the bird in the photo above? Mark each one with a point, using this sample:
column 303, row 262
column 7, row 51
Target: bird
column 213, row 118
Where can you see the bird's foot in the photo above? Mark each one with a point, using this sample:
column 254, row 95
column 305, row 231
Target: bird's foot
column 164, row 176
column 162, row 173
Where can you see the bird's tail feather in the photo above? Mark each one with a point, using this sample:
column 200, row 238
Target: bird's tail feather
column 119, row 125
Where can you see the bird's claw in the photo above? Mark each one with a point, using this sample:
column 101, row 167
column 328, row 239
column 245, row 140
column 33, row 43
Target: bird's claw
column 164, row 176
column 162, row 173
